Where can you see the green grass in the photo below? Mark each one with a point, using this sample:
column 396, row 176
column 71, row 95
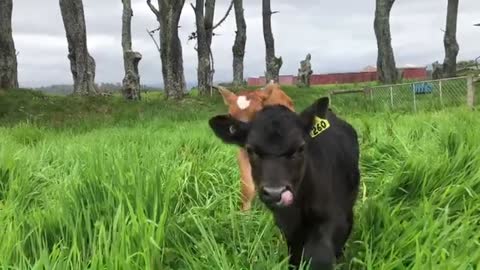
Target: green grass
column 108, row 184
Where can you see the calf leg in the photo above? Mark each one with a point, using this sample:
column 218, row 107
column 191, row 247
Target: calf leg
column 295, row 249
column 248, row 187
column 319, row 249
column 342, row 233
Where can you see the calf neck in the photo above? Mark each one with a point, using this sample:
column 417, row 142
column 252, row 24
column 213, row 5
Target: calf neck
column 306, row 169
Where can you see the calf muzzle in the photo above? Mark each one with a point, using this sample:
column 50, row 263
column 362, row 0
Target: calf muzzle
column 276, row 196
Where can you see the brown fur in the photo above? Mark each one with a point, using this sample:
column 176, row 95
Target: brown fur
column 272, row 94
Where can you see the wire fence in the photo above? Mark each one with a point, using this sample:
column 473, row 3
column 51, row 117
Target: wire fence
column 408, row 97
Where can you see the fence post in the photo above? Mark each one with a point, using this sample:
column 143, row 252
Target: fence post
column 470, row 92
column 391, row 95
column 414, row 98
column 441, row 94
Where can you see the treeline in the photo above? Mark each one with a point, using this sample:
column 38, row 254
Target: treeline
column 169, row 45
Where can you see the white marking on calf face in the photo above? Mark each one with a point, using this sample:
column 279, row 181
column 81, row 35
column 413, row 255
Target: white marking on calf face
column 243, row 102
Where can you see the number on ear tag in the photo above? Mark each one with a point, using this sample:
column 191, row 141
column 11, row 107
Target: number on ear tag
column 319, row 126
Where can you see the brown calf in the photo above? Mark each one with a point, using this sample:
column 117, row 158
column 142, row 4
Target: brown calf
column 243, row 106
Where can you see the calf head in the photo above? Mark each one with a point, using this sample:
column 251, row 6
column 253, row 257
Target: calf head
column 244, row 105
column 277, row 142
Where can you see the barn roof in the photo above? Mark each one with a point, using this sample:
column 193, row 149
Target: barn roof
column 369, row 69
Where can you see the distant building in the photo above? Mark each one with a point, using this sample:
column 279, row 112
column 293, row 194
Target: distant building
column 369, row 69
column 367, row 74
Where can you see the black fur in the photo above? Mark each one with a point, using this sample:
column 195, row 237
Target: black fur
column 322, row 173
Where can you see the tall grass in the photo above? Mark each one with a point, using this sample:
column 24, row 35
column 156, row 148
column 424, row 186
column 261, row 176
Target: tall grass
column 147, row 186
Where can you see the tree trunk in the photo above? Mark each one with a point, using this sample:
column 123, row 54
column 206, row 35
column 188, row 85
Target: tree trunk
column 8, row 57
column 168, row 15
column 204, row 24
column 171, row 52
column 131, row 81
column 304, row 72
column 238, row 48
column 273, row 63
column 386, row 68
column 82, row 63
column 450, row 40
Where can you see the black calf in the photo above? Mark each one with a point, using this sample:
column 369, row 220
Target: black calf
column 306, row 170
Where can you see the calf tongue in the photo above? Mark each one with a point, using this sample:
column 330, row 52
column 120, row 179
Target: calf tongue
column 287, row 198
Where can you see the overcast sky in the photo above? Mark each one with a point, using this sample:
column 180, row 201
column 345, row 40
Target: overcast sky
column 339, row 35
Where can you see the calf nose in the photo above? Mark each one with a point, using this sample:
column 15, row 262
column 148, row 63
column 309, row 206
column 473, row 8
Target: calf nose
column 272, row 194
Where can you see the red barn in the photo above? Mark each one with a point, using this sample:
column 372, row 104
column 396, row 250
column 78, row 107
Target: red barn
column 409, row 73
column 341, row 78
column 255, row 81
column 283, row 79
column 415, row 73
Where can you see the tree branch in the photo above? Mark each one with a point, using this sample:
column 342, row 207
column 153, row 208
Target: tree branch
column 153, row 8
column 193, row 35
column 224, row 17
column 274, row 12
column 154, row 30
column 212, row 68
column 150, row 33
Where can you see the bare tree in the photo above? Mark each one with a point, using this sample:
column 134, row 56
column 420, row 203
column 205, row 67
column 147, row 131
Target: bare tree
column 131, row 81
column 238, row 48
column 386, row 67
column 168, row 15
column 450, row 40
column 204, row 15
column 8, row 56
column 82, row 64
column 273, row 63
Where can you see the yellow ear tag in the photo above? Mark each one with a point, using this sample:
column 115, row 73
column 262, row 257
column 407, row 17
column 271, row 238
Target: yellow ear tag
column 319, row 126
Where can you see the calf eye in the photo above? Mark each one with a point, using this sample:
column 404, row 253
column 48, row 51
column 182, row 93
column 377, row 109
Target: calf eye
column 232, row 130
column 296, row 153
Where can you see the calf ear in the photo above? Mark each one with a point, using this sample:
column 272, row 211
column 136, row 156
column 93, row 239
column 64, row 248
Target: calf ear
column 269, row 88
column 229, row 129
column 319, row 108
column 227, row 95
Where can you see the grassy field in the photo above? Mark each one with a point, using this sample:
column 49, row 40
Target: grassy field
column 107, row 184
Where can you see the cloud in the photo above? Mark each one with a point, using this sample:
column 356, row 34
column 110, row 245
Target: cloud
column 339, row 35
